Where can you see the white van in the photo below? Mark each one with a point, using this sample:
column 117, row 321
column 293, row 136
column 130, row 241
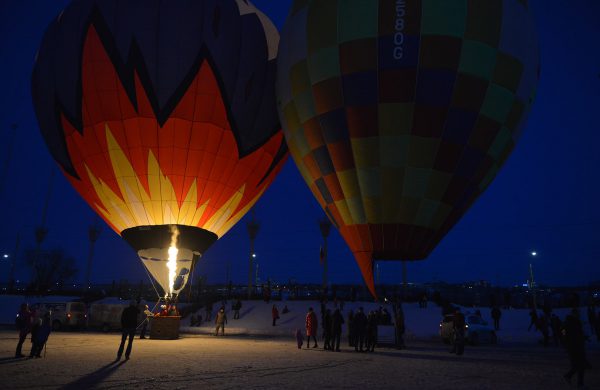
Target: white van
column 106, row 313
column 64, row 315
column 106, row 316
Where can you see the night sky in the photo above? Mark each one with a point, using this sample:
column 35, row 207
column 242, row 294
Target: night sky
column 544, row 199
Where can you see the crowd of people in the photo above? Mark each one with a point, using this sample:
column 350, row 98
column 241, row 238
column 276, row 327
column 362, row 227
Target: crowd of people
column 40, row 328
column 361, row 327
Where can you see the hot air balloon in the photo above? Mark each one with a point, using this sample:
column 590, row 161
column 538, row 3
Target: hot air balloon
column 163, row 117
column 399, row 114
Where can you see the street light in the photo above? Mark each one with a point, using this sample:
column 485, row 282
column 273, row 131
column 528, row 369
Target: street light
column 6, row 256
column 254, row 255
column 532, row 287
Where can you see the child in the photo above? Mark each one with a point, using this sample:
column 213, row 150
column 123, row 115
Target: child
column 299, row 338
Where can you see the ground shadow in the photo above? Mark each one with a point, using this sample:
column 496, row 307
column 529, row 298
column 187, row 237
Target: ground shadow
column 247, row 311
column 94, row 378
column 11, row 359
column 287, row 321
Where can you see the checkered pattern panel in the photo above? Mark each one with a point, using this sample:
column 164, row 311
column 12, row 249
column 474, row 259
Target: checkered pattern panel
column 400, row 113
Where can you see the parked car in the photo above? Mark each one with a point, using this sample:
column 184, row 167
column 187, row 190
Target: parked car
column 477, row 330
column 64, row 315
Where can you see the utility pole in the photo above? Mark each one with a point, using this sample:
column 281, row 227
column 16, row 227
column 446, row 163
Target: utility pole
column 257, row 274
column 93, row 233
column 11, row 275
column 404, row 284
column 253, row 228
column 325, row 227
column 8, row 156
column 532, row 287
column 41, row 232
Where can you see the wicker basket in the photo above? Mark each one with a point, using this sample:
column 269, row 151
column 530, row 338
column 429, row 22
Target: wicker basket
column 164, row 328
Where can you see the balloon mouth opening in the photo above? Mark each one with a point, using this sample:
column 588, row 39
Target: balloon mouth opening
column 169, row 252
column 196, row 239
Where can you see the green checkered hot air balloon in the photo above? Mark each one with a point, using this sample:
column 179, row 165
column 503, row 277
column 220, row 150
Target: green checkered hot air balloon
column 399, row 113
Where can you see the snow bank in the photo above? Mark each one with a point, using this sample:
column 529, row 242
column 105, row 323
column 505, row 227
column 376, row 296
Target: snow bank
column 255, row 317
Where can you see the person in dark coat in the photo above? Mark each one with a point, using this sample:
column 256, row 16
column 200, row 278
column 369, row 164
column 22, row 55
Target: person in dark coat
column 556, row 325
column 299, row 338
column 372, row 322
column 598, row 326
column 274, row 314
column 533, row 319
column 360, row 326
column 236, row 309
column 128, row 326
column 591, row 314
column 327, row 330
column 547, row 309
column 574, row 340
column 496, row 314
column 337, row 320
column 312, row 324
column 209, row 309
column 24, row 323
column 399, row 327
column 351, row 330
column 386, row 318
column 458, row 347
column 42, row 332
column 542, row 325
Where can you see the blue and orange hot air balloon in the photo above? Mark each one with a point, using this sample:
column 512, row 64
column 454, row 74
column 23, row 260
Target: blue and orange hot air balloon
column 400, row 113
column 162, row 115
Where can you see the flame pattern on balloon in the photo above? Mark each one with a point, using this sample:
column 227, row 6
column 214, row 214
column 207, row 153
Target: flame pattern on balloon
column 145, row 174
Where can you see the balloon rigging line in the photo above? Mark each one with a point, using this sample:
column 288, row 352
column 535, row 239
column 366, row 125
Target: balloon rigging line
column 154, row 308
column 152, row 282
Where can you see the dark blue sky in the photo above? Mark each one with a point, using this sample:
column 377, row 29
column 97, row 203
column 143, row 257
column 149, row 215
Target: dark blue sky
column 546, row 198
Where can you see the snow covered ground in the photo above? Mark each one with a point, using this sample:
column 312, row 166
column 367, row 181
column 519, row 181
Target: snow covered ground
column 254, row 354
column 76, row 360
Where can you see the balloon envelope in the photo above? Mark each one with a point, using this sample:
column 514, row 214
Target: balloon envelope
column 400, row 113
column 162, row 114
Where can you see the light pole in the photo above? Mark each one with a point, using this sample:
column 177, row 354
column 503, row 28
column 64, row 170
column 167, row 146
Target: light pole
column 532, row 282
column 8, row 156
column 11, row 274
column 257, row 279
column 93, row 233
column 41, row 232
column 325, row 227
column 253, row 228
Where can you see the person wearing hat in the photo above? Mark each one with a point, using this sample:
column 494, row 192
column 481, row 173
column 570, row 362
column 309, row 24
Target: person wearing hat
column 148, row 314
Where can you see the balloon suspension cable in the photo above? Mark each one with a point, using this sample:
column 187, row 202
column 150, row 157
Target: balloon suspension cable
column 146, row 319
column 153, row 285
column 191, row 283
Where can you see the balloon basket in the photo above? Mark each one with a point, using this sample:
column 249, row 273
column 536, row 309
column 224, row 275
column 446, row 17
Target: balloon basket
column 164, row 328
